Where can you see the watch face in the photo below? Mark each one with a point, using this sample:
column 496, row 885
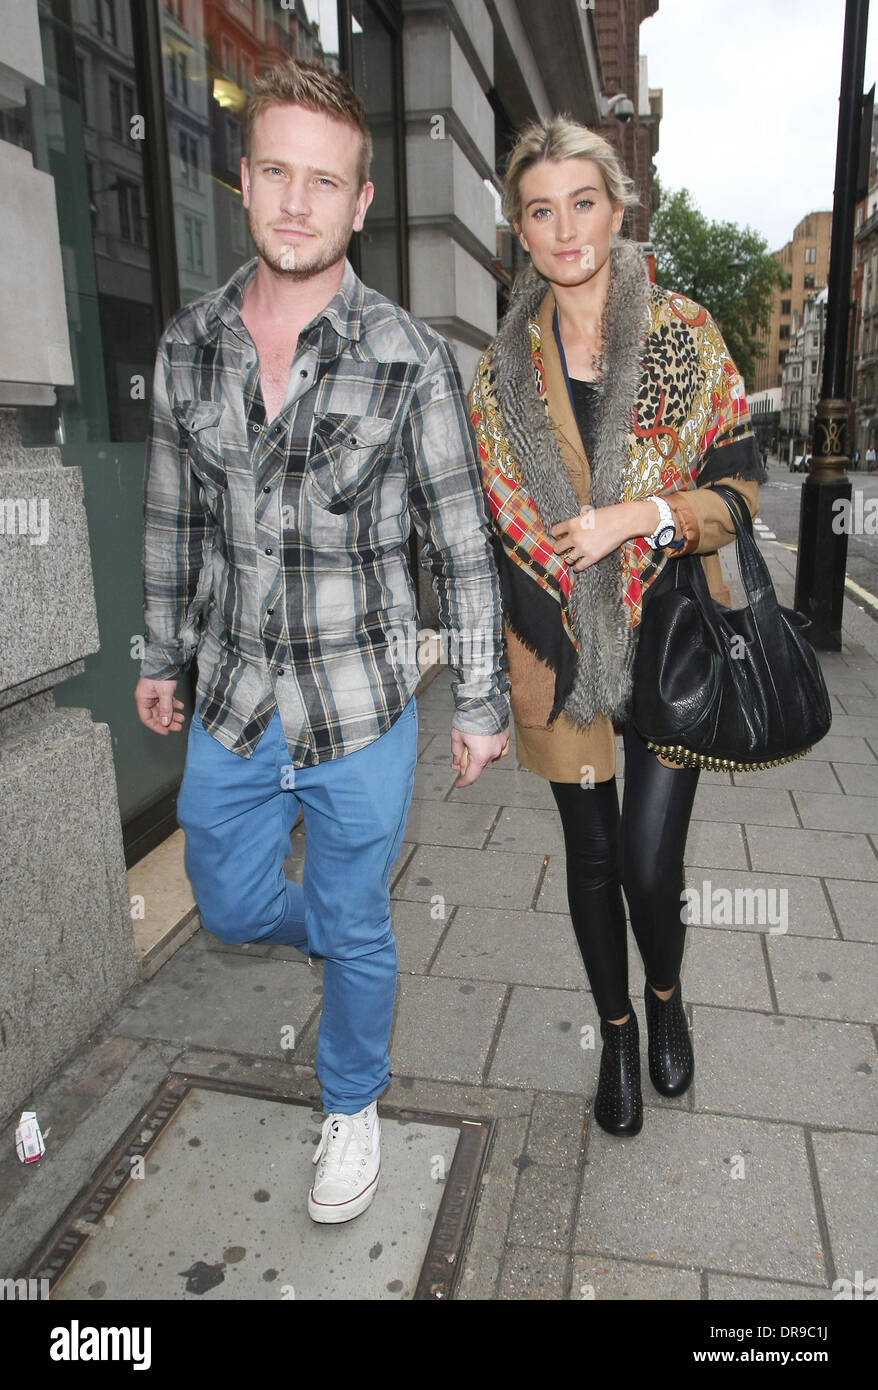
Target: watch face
column 664, row 536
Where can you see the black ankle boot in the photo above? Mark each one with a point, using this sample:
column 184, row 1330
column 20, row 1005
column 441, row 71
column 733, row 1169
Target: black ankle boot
column 618, row 1106
column 671, row 1062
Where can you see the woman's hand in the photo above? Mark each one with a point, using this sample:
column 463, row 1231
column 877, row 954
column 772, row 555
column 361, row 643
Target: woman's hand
column 583, row 540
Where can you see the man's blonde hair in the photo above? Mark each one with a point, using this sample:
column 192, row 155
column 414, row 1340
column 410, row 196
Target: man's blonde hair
column 309, row 83
column 559, row 138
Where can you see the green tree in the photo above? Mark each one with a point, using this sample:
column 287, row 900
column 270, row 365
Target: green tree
column 727, row 268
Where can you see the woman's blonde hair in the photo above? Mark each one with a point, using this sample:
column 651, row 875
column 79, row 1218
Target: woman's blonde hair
column 560, row 137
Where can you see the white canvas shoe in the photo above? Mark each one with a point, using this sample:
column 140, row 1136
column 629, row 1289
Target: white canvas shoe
column 349, row 1155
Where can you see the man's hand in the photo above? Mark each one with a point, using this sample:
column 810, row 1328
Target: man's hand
column 156, row 705
column 470, row 753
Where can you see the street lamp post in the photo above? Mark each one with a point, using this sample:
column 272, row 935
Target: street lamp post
column 822, row 554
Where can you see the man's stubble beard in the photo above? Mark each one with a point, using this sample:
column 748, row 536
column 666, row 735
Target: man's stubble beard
column 284, row 263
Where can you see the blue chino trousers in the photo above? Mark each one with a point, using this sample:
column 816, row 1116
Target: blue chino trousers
column 237, row 814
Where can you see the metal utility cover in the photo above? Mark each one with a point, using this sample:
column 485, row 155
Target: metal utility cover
column 205, row 1196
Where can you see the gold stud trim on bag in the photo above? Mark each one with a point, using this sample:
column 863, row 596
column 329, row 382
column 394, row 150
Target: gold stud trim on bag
column 684, row 757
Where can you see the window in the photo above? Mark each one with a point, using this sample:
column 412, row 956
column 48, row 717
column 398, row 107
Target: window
column 810, row 255
column 177, row 76
column 813, row 366
column 193, row 242
column 782, row 357
column 230, row 67
column 794, row 398
column 785, row 306
column 121, row 108
column 809, row 282
column 130, row 215
column 189, row 170
column 784, row 330
column 105, row 19
column 83, row 87
column 246, row 72
column 234, row 147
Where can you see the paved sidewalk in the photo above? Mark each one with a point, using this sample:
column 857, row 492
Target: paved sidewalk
column 757, row 1184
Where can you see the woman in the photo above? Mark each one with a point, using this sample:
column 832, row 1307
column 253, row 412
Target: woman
column 604, row 409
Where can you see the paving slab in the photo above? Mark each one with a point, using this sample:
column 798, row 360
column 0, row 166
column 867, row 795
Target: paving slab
column 443, row 1028
column 820, row 852
column 668, row 1194
column 501, row 785
column 726, row 968
column 743, row 805
column 418, row 929
column 716, row 844
column 746, row 901
column 846, row 1167
column 596, row 1278
column 838, row 748
column 521, row 829
column 432, row 822
column 516, row 947
column 82, row 1109
column 544, row 1207
column 824, row 979
column 856, row 906
column 805, row 774
column 223, row 999
column 795, row 1069
column 825, row 811
column 856, row 779
column 472, row 878
column 533, row 1274
column 725, row 1286
column 550, row 1041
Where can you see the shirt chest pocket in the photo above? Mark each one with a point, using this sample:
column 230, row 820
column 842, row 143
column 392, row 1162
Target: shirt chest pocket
column 200, row 425
column 344, row 457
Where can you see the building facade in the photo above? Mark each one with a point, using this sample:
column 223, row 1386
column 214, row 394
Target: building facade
column 121, row 123
column 806, row 260
column 802, row 376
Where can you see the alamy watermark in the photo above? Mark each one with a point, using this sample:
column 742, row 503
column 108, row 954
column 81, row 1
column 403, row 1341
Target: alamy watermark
column 424, row 646
column 25, row 516
column 738, row 907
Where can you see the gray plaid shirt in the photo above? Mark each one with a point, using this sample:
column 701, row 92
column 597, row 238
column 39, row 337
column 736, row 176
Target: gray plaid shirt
column 278, row 552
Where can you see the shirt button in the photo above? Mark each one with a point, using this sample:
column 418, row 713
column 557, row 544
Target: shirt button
column 303, row 372
column 280, row 670
column 266, row 488
column 256, row 429
column 268, row 550
column 269, row 611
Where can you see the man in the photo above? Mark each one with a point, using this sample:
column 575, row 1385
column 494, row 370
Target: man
column 870, row 459
column 299, row 422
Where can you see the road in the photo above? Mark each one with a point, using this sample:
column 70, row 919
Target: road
column 779, row 506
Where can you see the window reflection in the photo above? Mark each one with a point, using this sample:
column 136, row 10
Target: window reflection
column 212, row 51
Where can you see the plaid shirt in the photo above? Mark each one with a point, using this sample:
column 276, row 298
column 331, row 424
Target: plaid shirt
column 278, row 552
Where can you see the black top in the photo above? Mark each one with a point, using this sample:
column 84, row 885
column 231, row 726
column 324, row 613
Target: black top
column 586, row 395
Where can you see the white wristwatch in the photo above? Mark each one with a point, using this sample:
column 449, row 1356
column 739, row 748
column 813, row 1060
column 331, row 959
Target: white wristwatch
column 666, row 530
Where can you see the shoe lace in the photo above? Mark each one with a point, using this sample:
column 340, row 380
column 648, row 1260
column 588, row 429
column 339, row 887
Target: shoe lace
column 343, row 1142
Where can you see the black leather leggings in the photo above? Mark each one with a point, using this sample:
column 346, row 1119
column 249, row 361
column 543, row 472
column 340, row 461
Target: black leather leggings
column 641, row 851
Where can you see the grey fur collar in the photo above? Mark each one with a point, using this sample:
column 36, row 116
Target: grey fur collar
column 598, row 611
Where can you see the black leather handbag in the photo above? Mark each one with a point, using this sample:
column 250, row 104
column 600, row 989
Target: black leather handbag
column 721, row 688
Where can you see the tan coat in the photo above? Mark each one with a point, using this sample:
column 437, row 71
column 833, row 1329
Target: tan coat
column 563, row 751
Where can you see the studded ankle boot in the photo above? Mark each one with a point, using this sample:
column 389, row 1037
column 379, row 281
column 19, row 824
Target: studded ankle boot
column 618, row 1105
column 671, row 1062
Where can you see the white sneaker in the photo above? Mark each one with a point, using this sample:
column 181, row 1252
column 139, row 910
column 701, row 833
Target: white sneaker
column 349, row 1155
